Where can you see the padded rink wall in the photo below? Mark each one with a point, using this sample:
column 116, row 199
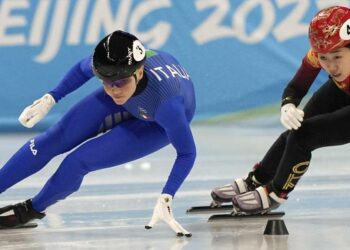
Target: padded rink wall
column 239, row 53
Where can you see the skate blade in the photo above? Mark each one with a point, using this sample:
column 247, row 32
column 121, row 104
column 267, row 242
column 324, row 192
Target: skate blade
column 215, row 204
column 27, row 225
column 209, row 209
column 242, row 215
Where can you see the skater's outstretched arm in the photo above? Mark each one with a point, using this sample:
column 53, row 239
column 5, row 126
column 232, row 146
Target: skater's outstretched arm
column 76, row 77
column 171, row 116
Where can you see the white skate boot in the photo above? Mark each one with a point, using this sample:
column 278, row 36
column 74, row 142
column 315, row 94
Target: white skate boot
column 258, row 201
column 225, row 193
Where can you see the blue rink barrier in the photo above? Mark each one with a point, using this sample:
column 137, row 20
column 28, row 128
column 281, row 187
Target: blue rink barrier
column 240, row 53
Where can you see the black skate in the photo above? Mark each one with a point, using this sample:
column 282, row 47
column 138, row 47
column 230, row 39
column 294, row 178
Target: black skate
column 18, row 215
column 242, row 215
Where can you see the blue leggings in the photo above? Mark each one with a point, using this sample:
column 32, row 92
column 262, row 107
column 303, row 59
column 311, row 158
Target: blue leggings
column 128, row 139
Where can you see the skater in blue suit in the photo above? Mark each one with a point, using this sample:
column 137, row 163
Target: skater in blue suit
column 147, row 101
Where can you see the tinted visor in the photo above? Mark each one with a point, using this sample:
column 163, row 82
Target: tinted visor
column 118, row 83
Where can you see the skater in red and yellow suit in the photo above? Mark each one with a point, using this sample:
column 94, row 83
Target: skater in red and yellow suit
column 324, row 121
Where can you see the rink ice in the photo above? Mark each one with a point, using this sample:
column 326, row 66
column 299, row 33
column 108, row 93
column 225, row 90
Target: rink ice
column 113, row 205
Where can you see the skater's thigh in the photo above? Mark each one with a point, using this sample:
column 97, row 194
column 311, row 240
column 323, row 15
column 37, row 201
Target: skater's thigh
column 128, row 141
column 326, row 99
column 86, row 119
column 330, row 129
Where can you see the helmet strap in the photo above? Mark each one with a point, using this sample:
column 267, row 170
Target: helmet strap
column 134, row 75
column 141, row 84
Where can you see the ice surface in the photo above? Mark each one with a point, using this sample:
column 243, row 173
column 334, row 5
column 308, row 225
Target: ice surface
column 112, row 207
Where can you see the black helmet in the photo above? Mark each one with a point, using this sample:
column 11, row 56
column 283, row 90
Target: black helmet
column 117, row 56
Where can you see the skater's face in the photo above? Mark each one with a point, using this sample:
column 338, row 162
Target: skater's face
column 336, row 63
column 121, row 90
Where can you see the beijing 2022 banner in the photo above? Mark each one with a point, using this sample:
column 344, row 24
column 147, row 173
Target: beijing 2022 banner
column 239, row 53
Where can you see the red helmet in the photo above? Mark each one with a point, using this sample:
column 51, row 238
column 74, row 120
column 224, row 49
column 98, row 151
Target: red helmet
column 330, row 29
